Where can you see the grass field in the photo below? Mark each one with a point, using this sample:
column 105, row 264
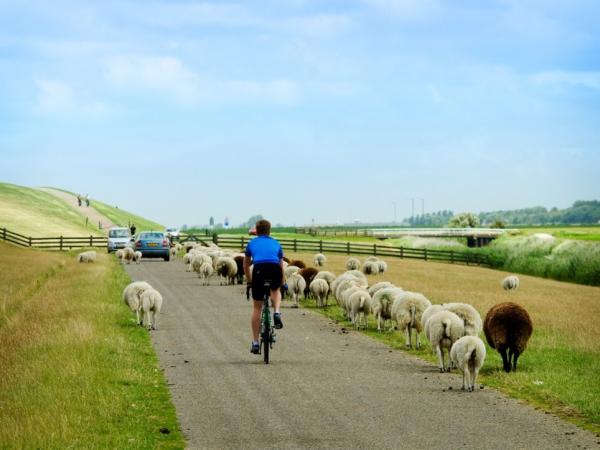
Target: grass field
column 32, row 212
column 76, row 372
column 582, row 233
column 559, row 370
column 124, row 218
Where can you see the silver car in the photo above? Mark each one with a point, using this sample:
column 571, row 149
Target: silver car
column 118, row 237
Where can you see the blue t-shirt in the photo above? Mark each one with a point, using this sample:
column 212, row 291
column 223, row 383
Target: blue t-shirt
column 264, row 249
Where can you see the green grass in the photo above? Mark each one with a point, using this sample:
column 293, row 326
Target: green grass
column 124, row 218
column 32, row 212
column 76, row 370
column 583, row 233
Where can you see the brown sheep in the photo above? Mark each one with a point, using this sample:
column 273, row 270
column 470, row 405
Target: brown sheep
column 239, row 261
column 298, row 263
column 507, row 326
column 309, row 274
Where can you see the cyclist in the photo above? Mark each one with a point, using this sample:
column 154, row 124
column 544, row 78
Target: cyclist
column 265, row 254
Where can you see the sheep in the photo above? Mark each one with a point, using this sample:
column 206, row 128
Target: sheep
column 381, row 304
column 308, row 273
column 360, row 277
column 239, row 261
column 151, row 304
column 187, row 259
column 382, row 266
column 319, row 289
column 226, row 267
column 205, row 271
column 298, row 263
column 327, row 276
column 370, row 268
column 352, row 264
column 346, row 283
column 507, row 326
column 137, row 257
column 359, row 306
column 469, row 315
column 296, row 286
column 173, row 252
column 443, row 329
column 120, row 255
column 128, row 254
column 197, row 261
column 371, row 259
column 132, row 294
column 430, row 311
column 346, row 290
column 510, row 283
column 188, row 246
column 289, row 270
column 178, row 247
column 407, row 310
column 319, row 260
column 377, row 286
column 87, row 257
column 468, row 354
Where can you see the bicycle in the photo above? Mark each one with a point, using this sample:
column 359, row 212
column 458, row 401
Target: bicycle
column 267, row 330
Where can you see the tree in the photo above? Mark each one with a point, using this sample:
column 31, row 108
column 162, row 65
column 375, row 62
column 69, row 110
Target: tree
column 211, row 221
column 464, row 220
column 252, row 220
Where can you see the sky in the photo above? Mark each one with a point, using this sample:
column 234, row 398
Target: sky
column 303, row 111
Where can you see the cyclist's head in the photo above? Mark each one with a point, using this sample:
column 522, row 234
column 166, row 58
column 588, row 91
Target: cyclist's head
column 263, row 227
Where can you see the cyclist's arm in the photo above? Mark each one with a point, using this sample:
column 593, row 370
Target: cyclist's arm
column 247, row 264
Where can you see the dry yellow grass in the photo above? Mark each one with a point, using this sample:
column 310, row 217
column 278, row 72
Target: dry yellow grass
column 568, row 309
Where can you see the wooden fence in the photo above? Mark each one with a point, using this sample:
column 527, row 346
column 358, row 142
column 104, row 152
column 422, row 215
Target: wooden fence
column 52, row 243
column 354, row 248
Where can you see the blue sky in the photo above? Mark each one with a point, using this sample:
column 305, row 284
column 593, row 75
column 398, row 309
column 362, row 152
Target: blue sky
column 302, row 109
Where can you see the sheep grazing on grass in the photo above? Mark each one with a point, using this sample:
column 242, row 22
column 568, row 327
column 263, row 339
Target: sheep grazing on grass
column 382, row 266
column 377, row 286
column 309, row 274
column 443, row 329
column 137, row 257
column 382, row 305
column 319, row 260
column 430, row 311
column 120, row 255
column 508, row 327
column 289, row 270
column 407, row 310
column 370, row 268
column 326, row 275
column 87, row 257
column 239, row 261
column 226, row 267
column 468, row 354
column 296, row 286
column 360, row 277
column 205, row 271
column 371, row 259
column 132, row 294
column 469, row 315
column 151, row 304
column 319, row 289
column 352, row 264
column 298, row 263
column 510, row 283
column 128, row 254
column 359, row 307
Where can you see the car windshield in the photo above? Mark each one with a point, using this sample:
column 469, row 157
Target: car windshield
column 151, row 236
column 118, row 233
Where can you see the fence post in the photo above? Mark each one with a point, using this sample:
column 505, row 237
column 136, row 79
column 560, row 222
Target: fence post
column 374, row 249
column 425, row 254
column 452, row 256
column 215, row 239
column 295, row 246
column 321, row 246
column 91, row 241
column 60, row 245
column 30, row 241
column 401, row 252
column 4, row 233
column 348, row 247
column 242, row 241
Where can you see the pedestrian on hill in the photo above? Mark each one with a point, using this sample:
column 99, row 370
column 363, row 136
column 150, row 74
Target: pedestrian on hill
column 87, row 200
column 79, row 199
column 132, row 229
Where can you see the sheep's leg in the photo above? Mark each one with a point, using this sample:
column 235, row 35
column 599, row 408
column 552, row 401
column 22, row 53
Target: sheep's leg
column 378, row 322
column 440, row 356
column 407, row 332
column 154, row 320
column 505, row 360
column 464, row 374
column 474, row 378
column 515, row 357
column 418, row 338
column 137, row 316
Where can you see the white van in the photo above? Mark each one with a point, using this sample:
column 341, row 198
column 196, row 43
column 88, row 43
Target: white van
column 118, row 237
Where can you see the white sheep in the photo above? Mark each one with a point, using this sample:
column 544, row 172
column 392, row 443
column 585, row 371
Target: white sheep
column 407, row 310
column 197, row 260
column 137, row 257
column 319, row 260
column 468, row 354
column 381, row 304
column 87, row 257
column 443, row 329
column 128, row 254
column 372, row 259
column 120, row 255
column 205, row 271
column 360, row 277
column 346, row 290
column 319, row 288
column 370, row 268
column 510, row 283
column 151, row 304
column 173, row 252
column 382, row 266
column 327, row 276
column 226, row 267
column 296, row 286
column 469, row 315
column 359, row 306
column 352, row 264
column 132, row 294
column 380, row 285
column 430, row 311
column 187, row 260
column 289, row 270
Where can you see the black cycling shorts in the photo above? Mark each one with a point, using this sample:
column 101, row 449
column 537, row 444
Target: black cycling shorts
column 265, row 272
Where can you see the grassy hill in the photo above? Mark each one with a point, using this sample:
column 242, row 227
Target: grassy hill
column 36, row 213
column 124, row 218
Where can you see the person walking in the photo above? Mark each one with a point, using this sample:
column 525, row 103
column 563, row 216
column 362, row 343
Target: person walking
column 132, row 229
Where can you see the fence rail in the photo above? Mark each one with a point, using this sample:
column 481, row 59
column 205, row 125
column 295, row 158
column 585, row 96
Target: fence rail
column 52, row 243
column 355, row 248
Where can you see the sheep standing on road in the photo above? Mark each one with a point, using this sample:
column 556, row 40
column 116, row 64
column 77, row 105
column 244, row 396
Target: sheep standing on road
column 205, row 271
column 151, row 304
column 508, row 327
column 510, row 283
column 128, row 254
column 296, row 286
column 120, row 255
column 132, row 297
column 468, row 354
column 443, row 329
column 309, row 274
column 239, row 261
column 173, row 252
column 407, row 310
column 137, row 257
column 87, row 257
column 226, row 267
column 319, row 260
column 319, row 289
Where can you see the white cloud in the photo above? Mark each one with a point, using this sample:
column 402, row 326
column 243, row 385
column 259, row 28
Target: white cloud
column 574, row 78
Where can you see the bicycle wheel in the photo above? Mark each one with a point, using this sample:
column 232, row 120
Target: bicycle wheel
column 266, row 343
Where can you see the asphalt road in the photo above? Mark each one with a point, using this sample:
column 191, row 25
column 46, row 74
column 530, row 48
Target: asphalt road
column 324, row 388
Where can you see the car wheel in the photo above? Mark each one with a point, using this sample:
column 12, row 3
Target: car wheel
column 167, row 258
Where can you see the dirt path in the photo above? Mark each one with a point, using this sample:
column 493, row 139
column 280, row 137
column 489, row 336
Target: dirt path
column 324, row 388
column 90, row 212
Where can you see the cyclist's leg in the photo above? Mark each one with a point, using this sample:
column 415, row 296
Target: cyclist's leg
column 255, row 320
column 276, row 299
